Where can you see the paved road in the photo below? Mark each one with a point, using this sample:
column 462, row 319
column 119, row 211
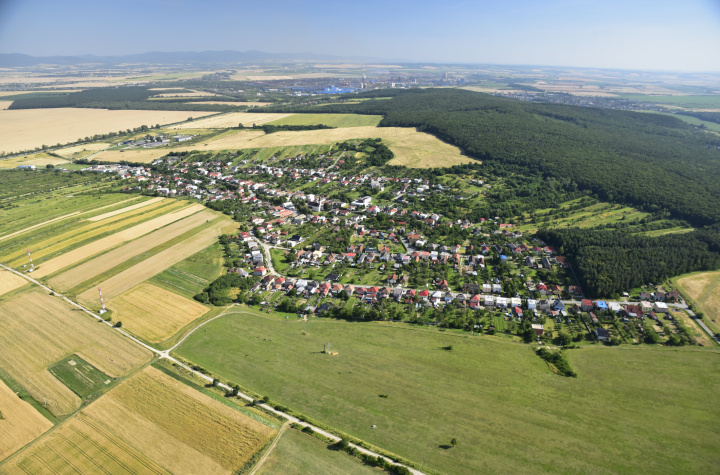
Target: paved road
column 165, row 354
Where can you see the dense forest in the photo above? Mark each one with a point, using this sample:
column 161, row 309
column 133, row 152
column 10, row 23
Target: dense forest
column 611, row 262
column 115, row 98
column 649, row 161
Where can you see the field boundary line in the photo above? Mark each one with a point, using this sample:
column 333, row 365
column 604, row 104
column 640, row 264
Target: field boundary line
column 270, row 449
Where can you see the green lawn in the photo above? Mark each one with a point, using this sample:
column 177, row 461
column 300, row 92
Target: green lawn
column 630, row 409
column 80, row 376
column 299, row 454
column 333, row 120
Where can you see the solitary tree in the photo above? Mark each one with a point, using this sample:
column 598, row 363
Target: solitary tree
column 453, row 441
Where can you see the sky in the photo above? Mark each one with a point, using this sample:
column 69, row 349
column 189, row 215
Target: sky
column 670, row 35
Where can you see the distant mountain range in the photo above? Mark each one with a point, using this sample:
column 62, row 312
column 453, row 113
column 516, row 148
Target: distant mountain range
column 14, row 60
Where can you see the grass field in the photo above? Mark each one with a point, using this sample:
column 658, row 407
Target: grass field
column 37, row 330
column 333, row 120
column 30, row 128
column 587, row 216
column 687, row 101
column 20, row 423
column 31, row 213
column 411, row 148
column 232, row 119
column 81, row 151
column 127, row 279
column 80, row 376
column 142, row 238
column 190, row 276
column 10, row 281
column 56, row 243
column 629, row 410
column 40, row 160
column 149, row 424
column 298, row 454
column 704, row 289
column 154, row 314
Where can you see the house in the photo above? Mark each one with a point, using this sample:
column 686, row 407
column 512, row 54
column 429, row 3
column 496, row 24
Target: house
column 538, row 328
column 489, row 300
column 260, row 271
column 660, row 307
column 645, row 296
column 531, row 304
column 486, row 288
column 615, row 307
column 586, row 305
column 471, row 288
column 601, row 305
column 501, row 302
column 424, row 294
column 496, row 288
column 332, row 278
column 518, row 311
column 602, row 334
column 475, row 301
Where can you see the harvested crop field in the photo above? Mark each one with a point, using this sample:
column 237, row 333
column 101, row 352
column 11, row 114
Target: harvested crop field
column 182, row 222
column 10, row 281
column 333, row 120
column 411, row 148
column 37, row 330
column 20, row 423
column 143, row 155
column 125, row 210
column 232, row 119
column 29, row 128
column 154, row 314
column 149, row 424
column 704, row 289
column 151, row 266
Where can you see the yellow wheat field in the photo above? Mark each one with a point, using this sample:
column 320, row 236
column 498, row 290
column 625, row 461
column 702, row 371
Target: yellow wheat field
column 704, row 289
column 5, row 104
column 232, row 119
column 149, row 424
column 20, row 423
column 37, row 330
column 411, row 148
column 57, row 243
column 10, row 281
column 125, row 210
column 30, row 128
column 81, row 445
column 114, row 258
column 151, row 266
column 154, row 314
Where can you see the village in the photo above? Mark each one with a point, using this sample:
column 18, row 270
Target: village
column 373, row 249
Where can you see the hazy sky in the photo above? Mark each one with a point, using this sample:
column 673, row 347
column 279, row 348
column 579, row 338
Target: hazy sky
column 630, row 34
